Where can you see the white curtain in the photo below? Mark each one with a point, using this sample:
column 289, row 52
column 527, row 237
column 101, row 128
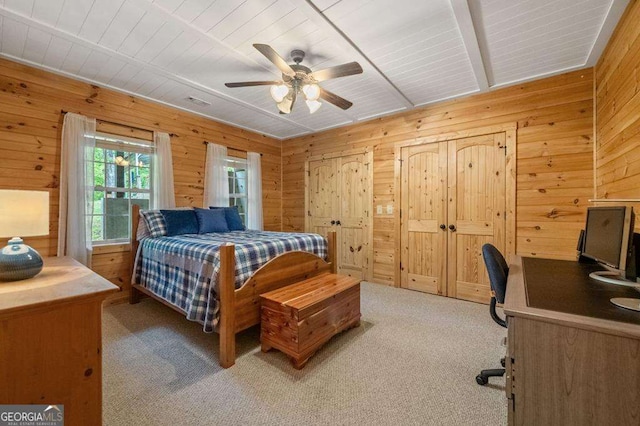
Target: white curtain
column 254, row 191
column 216, row 179
column 76, row 188
column 164, row 196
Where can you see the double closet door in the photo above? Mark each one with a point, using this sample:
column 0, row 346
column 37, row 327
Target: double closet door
column 338, row 198
column 453, row 200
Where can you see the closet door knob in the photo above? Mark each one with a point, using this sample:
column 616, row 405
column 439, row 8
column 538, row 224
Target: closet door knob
column 333, row 222
column 443, row 226
column 338, row 222
column 452, row 228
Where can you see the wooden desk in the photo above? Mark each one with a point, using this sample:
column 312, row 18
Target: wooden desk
column 568, row 369
column 51, row 340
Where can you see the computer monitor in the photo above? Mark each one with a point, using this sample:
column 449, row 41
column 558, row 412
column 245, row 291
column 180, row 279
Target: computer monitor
column 607, row 240
column 607, row 235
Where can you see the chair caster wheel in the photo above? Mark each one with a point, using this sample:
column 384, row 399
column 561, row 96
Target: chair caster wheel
column 502, row 362
column 481, row 380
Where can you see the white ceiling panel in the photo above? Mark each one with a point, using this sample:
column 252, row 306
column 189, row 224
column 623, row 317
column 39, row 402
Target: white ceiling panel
column 73, row 15
column 125, row 21
column 56, row 53
column 22, row 6
column 99, row 18
column 412, row 52
column 46, row 11
column 93, row 64
column 417, row 43
column 76, row 57
column 526, row 38
column 14, row 37
column 36, row 45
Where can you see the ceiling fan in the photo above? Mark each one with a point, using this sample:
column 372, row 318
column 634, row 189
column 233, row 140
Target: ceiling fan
column 298, row 79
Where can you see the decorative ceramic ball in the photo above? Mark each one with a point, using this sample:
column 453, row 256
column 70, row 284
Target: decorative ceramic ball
column 18, row 261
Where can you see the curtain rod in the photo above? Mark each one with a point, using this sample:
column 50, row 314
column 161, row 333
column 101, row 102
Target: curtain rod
column 235, row 149
column 120, row 124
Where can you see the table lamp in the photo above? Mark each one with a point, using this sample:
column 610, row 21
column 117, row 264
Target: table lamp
column 23, row 213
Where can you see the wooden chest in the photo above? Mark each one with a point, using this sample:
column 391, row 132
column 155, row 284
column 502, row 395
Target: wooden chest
column 300, row 318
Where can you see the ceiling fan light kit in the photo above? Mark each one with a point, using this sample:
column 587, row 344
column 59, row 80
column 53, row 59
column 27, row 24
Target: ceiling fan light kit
column 311, row 91
column 279, row 92
column 285, row 105
column 313, row 106
column 298, row 79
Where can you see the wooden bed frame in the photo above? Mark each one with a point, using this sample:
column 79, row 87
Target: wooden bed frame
column 240, row 308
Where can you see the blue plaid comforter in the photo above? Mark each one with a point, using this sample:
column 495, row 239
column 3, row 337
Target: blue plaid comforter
column 182, row 269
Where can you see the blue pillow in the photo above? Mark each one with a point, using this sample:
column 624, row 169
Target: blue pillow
column 234, row 221
column 211, row 221
column 180, row 222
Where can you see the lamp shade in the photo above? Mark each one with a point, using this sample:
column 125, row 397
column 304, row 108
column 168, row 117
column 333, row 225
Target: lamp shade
column 24, row 213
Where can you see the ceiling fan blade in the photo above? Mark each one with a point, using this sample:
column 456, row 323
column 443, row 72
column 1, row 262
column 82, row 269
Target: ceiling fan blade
column 275, row 59
column 332, row 98
column 338, row 71
column 252, row 83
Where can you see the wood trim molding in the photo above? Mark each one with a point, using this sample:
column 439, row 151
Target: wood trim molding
column 336, row 154
column 467, row 133
column 397, row 230
column 369, row 219
column 511, row 182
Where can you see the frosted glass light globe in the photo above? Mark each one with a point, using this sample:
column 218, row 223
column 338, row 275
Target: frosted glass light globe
column 313, row 106
column 311, row 91
column 278, row 92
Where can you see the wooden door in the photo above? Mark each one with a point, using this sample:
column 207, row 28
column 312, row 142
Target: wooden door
column 423, row 212
column 339, row 191
column 322, row 195
column 353, row 216
column 477, row 212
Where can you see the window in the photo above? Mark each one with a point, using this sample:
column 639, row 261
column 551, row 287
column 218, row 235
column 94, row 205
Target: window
column 122, row 177
column 237, row 171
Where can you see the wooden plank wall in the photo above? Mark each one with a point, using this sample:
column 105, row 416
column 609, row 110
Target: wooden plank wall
column 554, row 160
column 617, row 77
column 30, row 129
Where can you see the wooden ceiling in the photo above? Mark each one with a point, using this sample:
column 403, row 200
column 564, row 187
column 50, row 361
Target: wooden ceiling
column 414, row 52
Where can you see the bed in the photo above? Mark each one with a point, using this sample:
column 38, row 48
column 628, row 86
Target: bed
column 225, row 296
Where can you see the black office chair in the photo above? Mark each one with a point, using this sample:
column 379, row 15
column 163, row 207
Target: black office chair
column 498, row 273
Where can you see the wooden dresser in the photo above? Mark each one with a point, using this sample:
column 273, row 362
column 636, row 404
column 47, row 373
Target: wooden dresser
column 51, row 340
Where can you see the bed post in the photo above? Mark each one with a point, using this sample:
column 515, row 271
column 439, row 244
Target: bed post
column 134, row 294
column 227, row 287
column 333, row 254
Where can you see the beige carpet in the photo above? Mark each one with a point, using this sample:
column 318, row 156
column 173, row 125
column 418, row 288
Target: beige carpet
column 412, row 362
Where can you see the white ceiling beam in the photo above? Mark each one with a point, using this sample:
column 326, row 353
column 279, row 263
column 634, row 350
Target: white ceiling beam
column 470, row 38
column 616, row 9
column 316, row 16
column 149, row 67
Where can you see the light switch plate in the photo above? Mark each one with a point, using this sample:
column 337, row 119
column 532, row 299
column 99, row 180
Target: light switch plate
column 379, row 209
column 389, row 208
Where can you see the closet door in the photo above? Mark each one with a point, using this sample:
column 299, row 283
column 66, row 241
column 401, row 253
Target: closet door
column 322, row 195
column 423, row 215
column 476, row 212
column 339, row 192
column 354, row 216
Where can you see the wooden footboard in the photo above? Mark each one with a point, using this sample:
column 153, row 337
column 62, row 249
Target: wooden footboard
column 240, row 309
